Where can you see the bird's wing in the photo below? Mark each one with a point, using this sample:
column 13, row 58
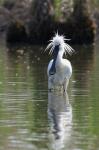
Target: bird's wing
column 49, row 66
column 68, row 68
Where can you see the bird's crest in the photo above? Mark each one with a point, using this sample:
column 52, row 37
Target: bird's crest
column 59, row 40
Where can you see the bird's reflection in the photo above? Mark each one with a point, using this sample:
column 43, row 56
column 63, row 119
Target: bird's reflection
column 60, row 118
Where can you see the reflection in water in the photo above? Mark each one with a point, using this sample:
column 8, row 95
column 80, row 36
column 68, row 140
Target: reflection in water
column 23, row 121
column 24, row 97
column 83, row 63
column 60, row 118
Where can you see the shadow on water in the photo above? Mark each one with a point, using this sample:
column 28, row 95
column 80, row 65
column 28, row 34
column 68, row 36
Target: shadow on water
column 60, row 119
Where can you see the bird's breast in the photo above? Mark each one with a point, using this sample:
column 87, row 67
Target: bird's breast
column 63, row 68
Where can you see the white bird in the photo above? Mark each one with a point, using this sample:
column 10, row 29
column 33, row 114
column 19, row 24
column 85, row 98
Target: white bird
column 59, row 69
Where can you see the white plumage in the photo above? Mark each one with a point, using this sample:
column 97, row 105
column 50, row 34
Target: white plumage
column 59, row 69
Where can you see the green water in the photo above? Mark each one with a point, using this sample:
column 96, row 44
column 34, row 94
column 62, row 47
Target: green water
column 33, row 119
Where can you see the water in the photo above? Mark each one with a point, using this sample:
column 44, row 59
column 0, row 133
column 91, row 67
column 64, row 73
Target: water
column 33, row 119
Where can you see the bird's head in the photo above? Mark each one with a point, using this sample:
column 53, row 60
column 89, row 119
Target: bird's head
column 57, row 44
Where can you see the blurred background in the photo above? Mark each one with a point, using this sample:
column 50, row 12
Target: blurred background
column 28, row 20
column 31, row 118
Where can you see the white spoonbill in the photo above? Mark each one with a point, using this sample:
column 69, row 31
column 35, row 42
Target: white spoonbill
column 59, row 69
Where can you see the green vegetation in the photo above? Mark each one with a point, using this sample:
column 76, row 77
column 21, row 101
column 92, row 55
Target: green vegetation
column 1, row 2
column 45, row 17
column 57, row 9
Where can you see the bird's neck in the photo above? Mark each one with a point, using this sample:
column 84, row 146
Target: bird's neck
column 57, row 58
column 60, row 56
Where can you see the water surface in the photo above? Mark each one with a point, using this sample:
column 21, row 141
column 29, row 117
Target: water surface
column 33, row 119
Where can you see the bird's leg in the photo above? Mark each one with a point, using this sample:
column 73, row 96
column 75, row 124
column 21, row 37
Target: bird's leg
column 50, row 84
column 65, row 85
column 50, row 90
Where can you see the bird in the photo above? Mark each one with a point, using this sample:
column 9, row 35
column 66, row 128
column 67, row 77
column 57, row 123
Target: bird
column 59, row 70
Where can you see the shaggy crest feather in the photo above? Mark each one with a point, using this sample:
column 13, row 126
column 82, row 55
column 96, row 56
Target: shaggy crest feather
column 59, row 40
